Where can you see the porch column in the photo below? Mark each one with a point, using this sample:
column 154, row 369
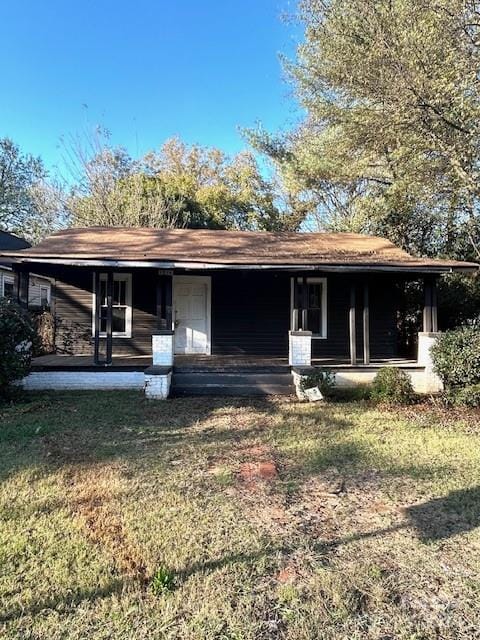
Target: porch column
column 22, row 281
column 109, row 327
column 162, row 348
column 164, row 301
column 97, row 318
column 300, row 348
column 352, row 325
column 428, row 337
column 430, row 319
column 366, row 324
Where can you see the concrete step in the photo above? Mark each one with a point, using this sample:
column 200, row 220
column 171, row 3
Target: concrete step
column 221, row 379
column 232, row 390
column 232, row 384
column 229, row 369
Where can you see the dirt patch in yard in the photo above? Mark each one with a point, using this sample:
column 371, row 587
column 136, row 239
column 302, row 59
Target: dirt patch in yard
column 91, row 490
column 91, row 493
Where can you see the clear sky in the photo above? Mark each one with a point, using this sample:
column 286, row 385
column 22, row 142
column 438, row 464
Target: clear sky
column 145, row 69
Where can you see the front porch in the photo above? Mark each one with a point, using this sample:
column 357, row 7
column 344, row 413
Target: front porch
column 203, row 375
column 200, row 362
column 227, row 332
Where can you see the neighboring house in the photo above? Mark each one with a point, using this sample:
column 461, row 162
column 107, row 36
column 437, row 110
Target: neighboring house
column 226, row 311
column 39, row 287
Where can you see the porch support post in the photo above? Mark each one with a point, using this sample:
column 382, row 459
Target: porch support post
column 296, row 304
column 300, row 348
column 430, row 318
column 304, row 304
column 352, row 326
column 431, row 383
column 22, row 280
column 366, row 324
column 162, row 348
column 434, row 306
column 96, row 316
column 109, row 332
column 164, row 302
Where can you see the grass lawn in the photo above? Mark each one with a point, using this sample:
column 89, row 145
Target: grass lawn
column 273, row 519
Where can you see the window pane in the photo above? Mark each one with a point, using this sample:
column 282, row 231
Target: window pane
column 8, row 289
column 119, row 297
column 119, row 320
column 314, row 321
column 314, row 295
column 103, row 292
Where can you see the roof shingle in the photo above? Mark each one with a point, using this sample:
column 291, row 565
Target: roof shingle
column 227, row 248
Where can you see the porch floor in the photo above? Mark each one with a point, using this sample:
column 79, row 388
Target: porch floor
column 60, row 362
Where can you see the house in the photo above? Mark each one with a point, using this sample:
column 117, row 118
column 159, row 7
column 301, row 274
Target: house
column 39, row 290
column 226, row 311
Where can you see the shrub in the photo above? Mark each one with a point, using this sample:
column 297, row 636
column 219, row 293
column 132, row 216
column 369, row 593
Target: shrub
column 468, row 396
column 392, row 385
column 16, row 339
column 44, row 324
column 456, row 357
column 324, row 380
column 163, row 581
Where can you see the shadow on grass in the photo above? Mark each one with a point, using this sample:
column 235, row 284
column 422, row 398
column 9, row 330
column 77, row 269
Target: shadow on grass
column 115, row 586
column 434, row 520
column 83, row 427
column 80, row 429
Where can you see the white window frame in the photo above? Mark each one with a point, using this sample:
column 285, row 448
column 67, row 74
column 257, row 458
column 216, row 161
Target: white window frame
column 127, row 278
column 312, row 280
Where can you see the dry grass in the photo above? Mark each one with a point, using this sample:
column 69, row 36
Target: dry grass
column 276, row 519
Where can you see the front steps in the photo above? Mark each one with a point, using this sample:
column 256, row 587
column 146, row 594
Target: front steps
column 248, row 381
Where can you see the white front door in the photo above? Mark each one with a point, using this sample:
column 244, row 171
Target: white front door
column 191, row 304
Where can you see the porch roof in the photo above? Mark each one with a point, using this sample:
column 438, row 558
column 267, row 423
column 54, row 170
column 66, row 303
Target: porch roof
column 202, row 248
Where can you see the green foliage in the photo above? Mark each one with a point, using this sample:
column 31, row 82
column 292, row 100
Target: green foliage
column 392, row 386
column 359, row 393
column 456, row 357
column 458, row 300
column 178, row 186
column 163, row 581
column 467, row 396
column 323, row 379
column 27, row 203
column 391, row 139
column 16, row 338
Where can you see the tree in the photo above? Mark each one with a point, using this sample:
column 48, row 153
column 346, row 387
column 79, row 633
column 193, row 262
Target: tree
column 391, row 139
column 22, row 180
column 176, row 186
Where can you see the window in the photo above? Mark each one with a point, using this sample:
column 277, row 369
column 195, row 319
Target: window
column 121, row 306
column 8, row 286
column 314, row 313
column 44, row 297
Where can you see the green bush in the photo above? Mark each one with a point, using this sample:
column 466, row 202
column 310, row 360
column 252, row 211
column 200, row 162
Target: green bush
column 468, row 396
column 16, row 338
column 324, row 380
column 392, row 385
column 456, row 357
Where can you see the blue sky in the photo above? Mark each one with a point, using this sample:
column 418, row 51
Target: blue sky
column 145, row 69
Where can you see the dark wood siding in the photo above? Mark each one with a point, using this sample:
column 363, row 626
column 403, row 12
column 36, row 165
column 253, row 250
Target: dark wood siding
column 73, row 313
column 384, row 301
column 250, row 313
